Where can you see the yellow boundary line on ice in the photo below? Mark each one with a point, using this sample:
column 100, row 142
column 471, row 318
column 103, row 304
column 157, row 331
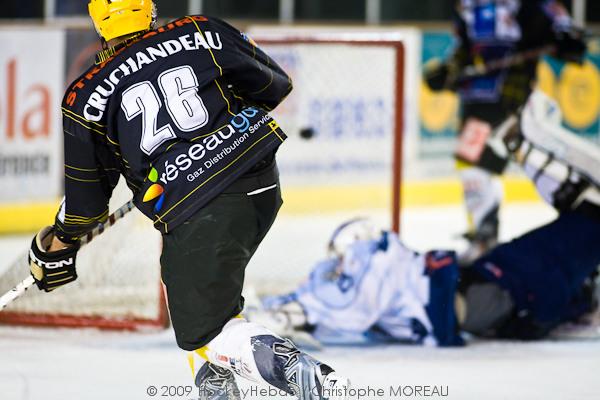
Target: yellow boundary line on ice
column 25, row 218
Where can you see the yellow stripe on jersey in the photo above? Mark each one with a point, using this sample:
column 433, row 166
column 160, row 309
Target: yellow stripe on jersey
column 81, row 169
column 224, row 98
column 78, row 221
column 268, row 84
column 90, row 219
column 84, row 125
column 216, row 63
column 84, row 221
column 112, row 141
column 83, row 118
column 209, row 49
column 82, row 180
column 274, row 125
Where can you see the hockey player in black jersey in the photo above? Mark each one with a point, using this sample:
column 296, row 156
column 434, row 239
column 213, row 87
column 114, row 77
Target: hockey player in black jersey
column 488, row 32
column 181, row 112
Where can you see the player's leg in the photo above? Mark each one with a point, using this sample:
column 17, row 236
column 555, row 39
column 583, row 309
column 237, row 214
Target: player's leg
column 479, row 166
column 257, row 354
column 544, row 271
column 203, row 265
column 483, row 194
column 483, row 307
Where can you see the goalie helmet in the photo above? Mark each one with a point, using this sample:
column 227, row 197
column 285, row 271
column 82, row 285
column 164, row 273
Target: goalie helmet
column 350, row 232
column 116, row 18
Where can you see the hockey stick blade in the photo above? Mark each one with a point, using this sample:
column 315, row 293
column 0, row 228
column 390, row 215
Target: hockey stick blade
column 26, row 283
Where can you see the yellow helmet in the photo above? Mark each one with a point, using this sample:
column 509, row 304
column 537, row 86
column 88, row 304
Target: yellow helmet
column 115, row 18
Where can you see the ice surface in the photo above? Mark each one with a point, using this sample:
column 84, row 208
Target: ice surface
column 91, row 365
column 55, row 364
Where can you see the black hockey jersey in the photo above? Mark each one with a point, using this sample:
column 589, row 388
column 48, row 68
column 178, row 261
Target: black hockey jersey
column 181, row 113
column 489, row 30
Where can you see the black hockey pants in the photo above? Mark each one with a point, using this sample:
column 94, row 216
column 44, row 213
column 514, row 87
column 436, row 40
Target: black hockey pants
column 204, row 259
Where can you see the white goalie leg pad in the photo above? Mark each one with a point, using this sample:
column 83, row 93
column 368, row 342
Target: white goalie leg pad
column 541, row 125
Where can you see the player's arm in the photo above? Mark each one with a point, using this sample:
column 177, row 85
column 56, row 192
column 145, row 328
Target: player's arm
column 89, row 183
column 255, row 76
column 568, row 39
column 88, row 187
column 443, row 76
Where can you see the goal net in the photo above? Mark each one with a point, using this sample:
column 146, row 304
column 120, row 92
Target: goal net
column 344, row 120
column 118, row 285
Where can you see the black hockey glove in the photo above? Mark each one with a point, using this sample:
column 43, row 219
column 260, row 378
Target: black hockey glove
column 440, row 76
column 570, row 46
column 51, row 269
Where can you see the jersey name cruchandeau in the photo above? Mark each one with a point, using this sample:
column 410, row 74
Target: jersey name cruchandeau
column 96, row 104
column 180, row 113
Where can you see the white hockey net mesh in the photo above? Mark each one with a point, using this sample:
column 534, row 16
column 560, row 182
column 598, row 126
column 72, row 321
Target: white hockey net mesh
column 344, row 96
column 118, row 285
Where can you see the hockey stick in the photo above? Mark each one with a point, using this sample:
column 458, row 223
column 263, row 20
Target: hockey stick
column 26, row 283
column 473, row 71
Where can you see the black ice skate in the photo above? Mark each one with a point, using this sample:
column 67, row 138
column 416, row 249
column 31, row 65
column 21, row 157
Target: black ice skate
column 305, row 377
column 216, row 383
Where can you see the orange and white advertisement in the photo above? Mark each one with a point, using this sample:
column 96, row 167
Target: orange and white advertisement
column 31, row 89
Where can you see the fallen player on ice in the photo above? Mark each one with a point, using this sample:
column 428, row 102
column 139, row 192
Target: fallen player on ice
column 372, row 288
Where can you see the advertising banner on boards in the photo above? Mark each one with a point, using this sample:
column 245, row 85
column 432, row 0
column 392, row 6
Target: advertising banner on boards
column 31, row 89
